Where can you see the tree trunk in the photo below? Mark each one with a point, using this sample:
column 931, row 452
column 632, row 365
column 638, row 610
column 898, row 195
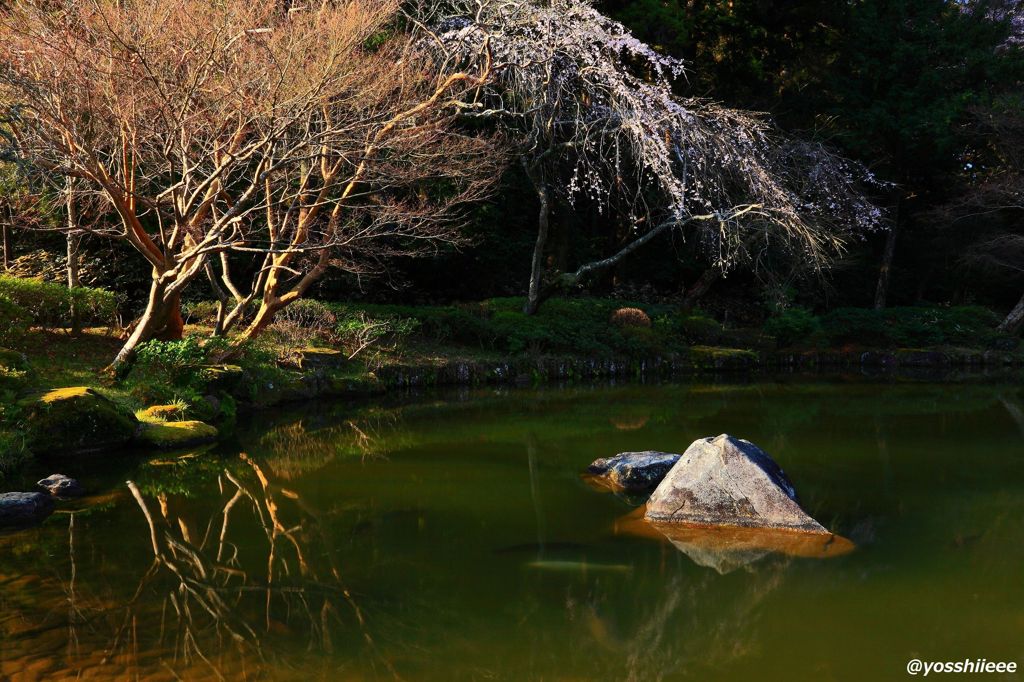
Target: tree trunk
column 172, row 326
column 703, row 284
column 269, row 307
column 533, row 297
column 161, row 320
column 1015, row 320
column 7, row 246
column 74, row 241
column 882, row 290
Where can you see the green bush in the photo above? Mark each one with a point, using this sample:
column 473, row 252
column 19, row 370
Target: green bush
column 309, row 314
column 178, row 365
column 171, row 356
column 49, row 305
column 572, row 326
column 910, row 327
column 693, row 329
column 200, row 312
column 14, row 321
column 360, row 326
column 791, row 326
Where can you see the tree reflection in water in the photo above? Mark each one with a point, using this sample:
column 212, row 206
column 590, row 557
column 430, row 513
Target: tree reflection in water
column 209, row 617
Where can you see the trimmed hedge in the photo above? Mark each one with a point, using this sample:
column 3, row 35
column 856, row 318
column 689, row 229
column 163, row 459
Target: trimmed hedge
column 572, row 326
column 900, row 327
column 48, row 304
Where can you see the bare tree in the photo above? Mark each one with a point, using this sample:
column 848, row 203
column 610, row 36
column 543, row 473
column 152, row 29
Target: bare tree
column 594, row 114
column 233, row 127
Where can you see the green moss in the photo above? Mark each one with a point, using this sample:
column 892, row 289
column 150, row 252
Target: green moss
column 162, row 413
column 75, row 419
column 221, row 377
column 177, row 434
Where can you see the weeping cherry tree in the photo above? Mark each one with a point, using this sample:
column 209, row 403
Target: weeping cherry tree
column 594, row 115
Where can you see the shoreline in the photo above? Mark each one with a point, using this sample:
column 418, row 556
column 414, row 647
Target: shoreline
column 922, row 365
column 323, row 373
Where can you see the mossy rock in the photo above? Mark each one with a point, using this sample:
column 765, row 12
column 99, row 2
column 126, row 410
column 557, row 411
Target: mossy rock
column 177, row 434
column 221, row 377
column 157, row 413
column 75, row 420
column 320, row 358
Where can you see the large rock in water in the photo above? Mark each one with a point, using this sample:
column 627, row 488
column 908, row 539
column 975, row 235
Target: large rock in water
column 727, row 481
column 77, row 419
column 634, row 472
column 23, row 509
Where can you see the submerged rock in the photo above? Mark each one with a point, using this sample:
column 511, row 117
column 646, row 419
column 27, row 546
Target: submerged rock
column 75, row 420
column 633, row 472
column 62, row 486
column 727, row 481
column 23, row 509
column 177, row 434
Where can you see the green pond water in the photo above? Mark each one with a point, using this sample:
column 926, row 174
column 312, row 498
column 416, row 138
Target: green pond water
column 449, row 536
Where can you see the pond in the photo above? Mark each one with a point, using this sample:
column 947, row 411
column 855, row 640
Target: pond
column 449, row 536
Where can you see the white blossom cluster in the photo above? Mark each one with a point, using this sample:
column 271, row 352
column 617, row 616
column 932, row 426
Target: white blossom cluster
column 596, row 109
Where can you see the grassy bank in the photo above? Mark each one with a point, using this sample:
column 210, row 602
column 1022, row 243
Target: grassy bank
column 335, row 349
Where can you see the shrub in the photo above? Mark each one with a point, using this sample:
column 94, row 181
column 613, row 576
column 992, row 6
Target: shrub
column 792, row 325
column 305, row 322
column 358, row 331
column 691, row 329
column 200, row 312
column 171, row 356
column 630, row 317
column 910, row 327
column 309, row 314
column 49, row 305
column 14, row 321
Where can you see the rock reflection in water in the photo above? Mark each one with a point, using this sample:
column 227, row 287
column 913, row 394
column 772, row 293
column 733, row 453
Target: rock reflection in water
column 727, row 548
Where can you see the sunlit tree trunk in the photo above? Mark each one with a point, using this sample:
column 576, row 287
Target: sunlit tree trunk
column 161, row 320
column 74, row 241
column 7, row 248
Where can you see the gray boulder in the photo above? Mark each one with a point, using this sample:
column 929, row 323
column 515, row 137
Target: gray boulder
column 634, row 472
column 726, row 481
column 23, row 509
column 62, row 486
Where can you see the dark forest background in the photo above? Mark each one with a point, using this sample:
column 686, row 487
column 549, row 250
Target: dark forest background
column 928, row 94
